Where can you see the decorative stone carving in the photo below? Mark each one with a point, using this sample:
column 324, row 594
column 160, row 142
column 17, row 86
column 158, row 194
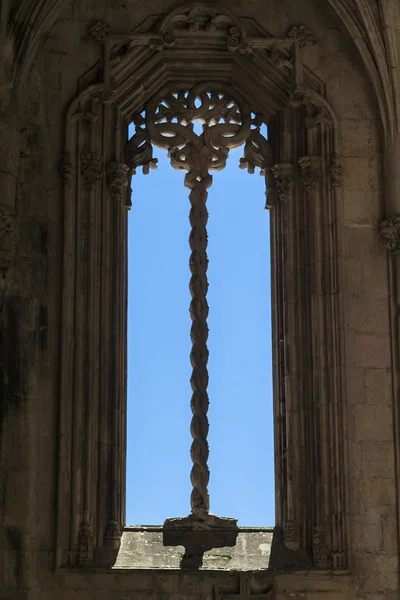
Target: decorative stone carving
column 100, row 31
column 85, row 545
column 302, row 35
column 320, row 550
column 336, row 171
column 117, row 179
column 166, row 40
column 291, row 535
column 311, row 171
column 257, row 153
column 139, row 149
column 284, row 175
column 91, row 170
column 245, row 591
column 112, row 535
column 390, row 233
column 66, row 168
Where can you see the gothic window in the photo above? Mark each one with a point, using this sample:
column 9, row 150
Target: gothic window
column 230, row 222
column 202, row 61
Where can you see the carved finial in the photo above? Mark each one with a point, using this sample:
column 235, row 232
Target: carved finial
column 390, row 233
column 100, row 31
column 302, row 35
column 336, row 171
column 311, row 171
column 91, row 170
column 284, row 175
column 117, row 179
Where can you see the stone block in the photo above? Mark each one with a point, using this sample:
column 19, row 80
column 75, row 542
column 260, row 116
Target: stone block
column 378, row 493
column 366, row 532
column 361, row 243
column 362, row 208
column 371, row 350
column 372, row 422
column 359, row 138
column 378, row 386
column 367, row 314
column 377, row 459
column 361, row 174
column 353, row 275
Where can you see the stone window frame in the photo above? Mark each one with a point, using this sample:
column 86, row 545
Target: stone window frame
column 304, row 187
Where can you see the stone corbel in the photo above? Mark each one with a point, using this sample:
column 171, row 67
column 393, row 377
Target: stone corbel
column 389, row 232
column 284, row 175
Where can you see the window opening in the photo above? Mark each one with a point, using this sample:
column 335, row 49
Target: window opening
column 226, row 125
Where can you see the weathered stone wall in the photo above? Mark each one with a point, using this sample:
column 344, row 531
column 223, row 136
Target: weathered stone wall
column 32, row 129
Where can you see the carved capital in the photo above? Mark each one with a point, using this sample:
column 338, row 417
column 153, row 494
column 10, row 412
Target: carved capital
column 91, row 170
column 291, row 535
column 117, row 179
column 284, row 175
column 311, row 169
column 100, row 31
column 66, row 168
column 389, row 232
column 85, row 545
column 336, row 171
column 302, row 35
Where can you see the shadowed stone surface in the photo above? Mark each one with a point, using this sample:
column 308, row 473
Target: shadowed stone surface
column 142, row 548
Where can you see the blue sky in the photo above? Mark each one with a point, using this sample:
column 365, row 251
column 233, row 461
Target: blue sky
column 240, row 363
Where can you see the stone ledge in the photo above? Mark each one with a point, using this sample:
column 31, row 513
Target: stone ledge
column 142, row 548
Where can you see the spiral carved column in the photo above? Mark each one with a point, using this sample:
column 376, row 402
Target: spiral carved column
column 200, row 475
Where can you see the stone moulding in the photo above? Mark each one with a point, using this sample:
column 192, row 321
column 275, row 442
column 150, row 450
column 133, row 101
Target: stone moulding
column 95, row 170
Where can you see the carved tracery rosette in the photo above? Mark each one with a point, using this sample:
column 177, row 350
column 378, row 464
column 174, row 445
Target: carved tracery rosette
column 95, row 167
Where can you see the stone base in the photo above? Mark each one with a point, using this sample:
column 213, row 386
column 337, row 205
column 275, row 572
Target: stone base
column 199, row 535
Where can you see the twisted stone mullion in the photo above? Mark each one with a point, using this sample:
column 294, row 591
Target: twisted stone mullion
column 200, row 503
